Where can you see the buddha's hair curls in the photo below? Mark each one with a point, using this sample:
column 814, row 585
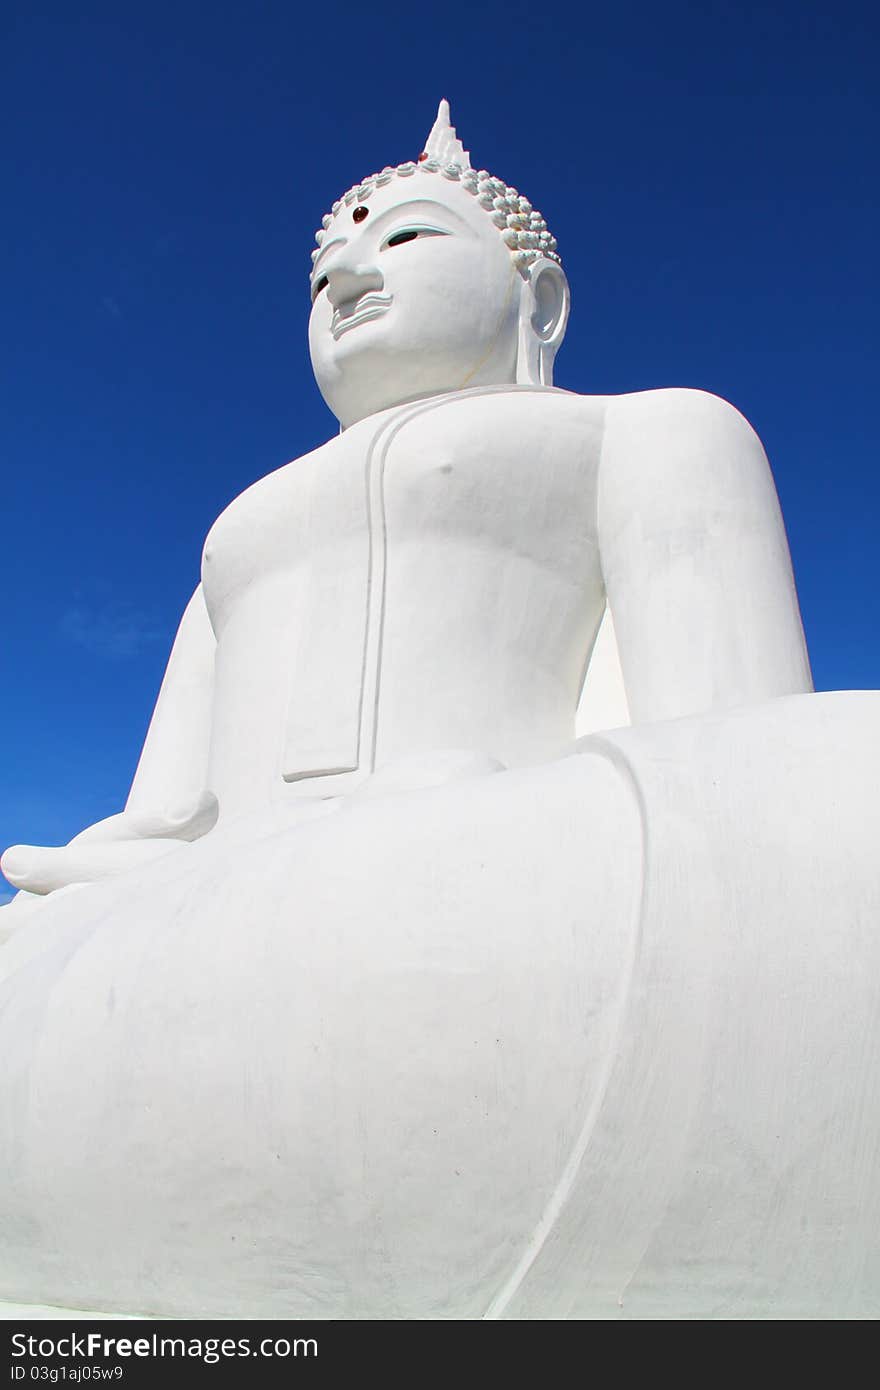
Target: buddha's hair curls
column 522, row 228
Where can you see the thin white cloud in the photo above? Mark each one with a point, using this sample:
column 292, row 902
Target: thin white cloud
column 114, row 630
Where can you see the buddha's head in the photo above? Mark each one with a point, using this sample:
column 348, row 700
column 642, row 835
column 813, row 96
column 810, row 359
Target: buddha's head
column 432, row 277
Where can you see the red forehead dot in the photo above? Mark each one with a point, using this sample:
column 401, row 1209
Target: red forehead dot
column 360, row 213
column 423, row 156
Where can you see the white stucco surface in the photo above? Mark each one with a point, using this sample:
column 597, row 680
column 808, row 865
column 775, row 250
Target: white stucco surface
column 491, row 928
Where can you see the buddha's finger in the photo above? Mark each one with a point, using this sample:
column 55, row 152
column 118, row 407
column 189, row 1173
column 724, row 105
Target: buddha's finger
column 43, row 869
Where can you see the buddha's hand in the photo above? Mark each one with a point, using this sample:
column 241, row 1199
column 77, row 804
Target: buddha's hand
column 110, row 847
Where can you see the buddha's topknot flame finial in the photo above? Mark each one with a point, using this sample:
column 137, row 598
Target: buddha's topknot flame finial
column 443, row 144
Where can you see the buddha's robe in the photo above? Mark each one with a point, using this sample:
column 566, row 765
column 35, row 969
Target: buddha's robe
column 592, row 1034
column 598, row 1038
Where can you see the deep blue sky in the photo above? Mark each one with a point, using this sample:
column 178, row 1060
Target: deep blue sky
column 710, row 172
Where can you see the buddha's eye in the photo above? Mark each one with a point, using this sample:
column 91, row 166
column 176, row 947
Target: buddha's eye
column 400, row 237
column 320, row 284
column 405, row 234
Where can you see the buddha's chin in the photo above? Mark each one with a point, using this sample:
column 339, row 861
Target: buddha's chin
column 374, row 402
column 367, row 375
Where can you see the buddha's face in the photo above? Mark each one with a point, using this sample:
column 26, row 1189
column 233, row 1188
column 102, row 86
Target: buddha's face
column 414, row 294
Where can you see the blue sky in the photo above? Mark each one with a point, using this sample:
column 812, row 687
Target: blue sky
column 710, row 174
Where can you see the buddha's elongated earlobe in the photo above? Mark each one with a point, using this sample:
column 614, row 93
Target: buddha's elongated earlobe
column 544, row 307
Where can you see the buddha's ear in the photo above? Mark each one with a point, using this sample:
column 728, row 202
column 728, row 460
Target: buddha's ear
column 543, row 317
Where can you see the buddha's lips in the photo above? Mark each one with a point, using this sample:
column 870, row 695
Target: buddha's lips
column 369, row 306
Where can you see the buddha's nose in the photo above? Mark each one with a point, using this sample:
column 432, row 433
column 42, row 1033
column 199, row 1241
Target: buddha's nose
column 346, row 282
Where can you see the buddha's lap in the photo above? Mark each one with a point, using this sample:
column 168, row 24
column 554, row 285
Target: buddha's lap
column 334, row 1000
column 302, row 1052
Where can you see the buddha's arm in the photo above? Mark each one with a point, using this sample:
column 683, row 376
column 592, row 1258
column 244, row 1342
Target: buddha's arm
column 169, row 802
column 172, row 771
column 695, row 558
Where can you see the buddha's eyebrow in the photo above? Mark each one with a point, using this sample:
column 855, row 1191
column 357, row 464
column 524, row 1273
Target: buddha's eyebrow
column 328, row 246
column 425, row 206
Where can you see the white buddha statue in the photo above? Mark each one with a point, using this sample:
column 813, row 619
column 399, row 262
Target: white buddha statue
column 387, row 994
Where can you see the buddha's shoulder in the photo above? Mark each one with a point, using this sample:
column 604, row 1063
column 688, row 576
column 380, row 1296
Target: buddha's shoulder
column 526, row 409
column 672, row 408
